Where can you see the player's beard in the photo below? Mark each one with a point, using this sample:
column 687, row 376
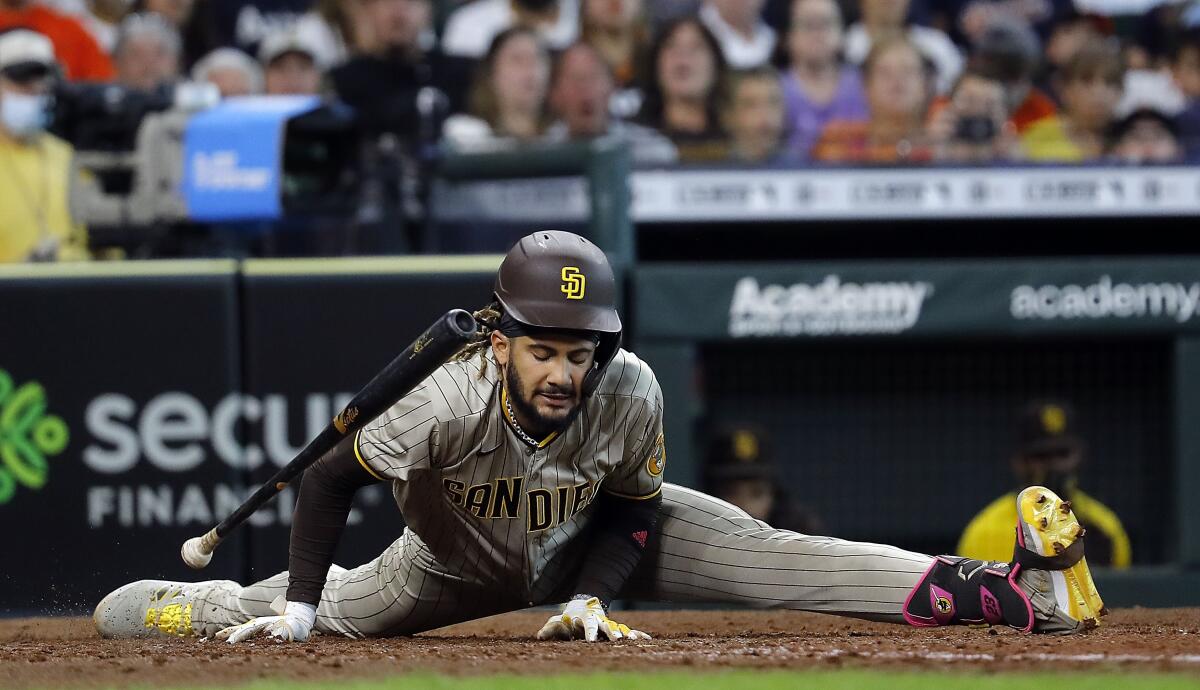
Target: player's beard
column 539, row 425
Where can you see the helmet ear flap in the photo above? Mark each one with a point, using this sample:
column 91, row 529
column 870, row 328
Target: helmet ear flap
column 606, row 350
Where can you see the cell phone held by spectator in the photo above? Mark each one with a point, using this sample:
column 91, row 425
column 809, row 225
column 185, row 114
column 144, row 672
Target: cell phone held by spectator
column 975, row 129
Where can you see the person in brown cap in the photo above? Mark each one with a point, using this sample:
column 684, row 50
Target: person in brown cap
column 1050, row 453
column 739, row 467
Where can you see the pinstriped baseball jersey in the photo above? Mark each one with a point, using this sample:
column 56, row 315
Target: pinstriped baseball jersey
column 492, row 508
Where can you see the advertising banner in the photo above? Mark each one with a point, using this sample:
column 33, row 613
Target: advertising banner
column 140, row 403
column 739, row 196
column 114, row 422
column 1127, row 296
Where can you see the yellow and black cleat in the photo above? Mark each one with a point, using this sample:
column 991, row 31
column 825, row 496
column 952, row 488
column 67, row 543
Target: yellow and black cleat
column 1050, row 549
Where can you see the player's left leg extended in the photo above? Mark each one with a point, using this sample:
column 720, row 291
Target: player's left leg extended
column 707, row 550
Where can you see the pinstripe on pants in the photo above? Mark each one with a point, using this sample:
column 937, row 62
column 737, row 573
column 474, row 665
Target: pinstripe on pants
column 706, row 550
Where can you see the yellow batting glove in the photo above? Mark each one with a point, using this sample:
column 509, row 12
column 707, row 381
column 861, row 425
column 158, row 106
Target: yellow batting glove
column 584, row 617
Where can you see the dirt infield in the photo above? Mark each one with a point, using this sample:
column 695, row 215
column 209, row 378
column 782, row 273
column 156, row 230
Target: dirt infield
column 65, row 652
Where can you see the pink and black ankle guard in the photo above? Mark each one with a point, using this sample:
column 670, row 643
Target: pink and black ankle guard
column 965, row 591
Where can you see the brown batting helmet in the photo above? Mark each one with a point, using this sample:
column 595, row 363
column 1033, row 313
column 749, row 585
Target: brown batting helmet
column 561, row 281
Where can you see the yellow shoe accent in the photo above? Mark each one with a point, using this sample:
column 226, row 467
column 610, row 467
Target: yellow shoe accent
column 172, row 619
column 1049, row 527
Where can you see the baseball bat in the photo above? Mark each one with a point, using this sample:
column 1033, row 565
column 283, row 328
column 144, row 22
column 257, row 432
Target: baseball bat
column 412, row 366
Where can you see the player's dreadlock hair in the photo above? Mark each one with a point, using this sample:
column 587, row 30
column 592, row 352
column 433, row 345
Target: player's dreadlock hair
column 487, row 320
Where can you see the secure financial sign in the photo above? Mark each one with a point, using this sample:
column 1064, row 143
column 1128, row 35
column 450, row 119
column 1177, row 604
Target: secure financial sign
column 138, row 410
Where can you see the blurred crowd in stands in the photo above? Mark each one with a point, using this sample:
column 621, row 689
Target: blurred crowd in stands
column 756, row 81
column 743, row 82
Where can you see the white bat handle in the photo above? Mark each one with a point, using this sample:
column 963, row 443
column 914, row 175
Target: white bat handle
column 197, row 551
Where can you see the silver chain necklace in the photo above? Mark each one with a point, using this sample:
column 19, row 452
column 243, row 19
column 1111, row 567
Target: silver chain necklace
column 512, row 420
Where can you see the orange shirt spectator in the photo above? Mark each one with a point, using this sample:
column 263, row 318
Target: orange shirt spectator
column 845, row 141
column 76, row 50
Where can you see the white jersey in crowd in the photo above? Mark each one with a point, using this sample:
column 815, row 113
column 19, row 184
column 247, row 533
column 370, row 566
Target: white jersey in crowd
column 470, row 30
column 740, row 52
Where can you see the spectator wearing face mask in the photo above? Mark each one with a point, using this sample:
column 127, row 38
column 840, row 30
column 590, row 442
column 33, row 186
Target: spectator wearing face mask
column 233, row 72
column 508, row 97
column 35, row 167
column 472, row 27
column 1090, row 85
column 290, row 63
column 888, row 19
column 580, row 87
column 897, row 82
column 81, row 58
column 746, row 40
column 818, row 87
column 686, row 67
column 147, row 52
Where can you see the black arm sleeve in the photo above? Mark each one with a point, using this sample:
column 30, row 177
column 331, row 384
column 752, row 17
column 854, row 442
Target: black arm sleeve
column 326, row 493
column 623, row 526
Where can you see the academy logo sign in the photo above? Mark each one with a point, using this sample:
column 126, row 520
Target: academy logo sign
column 28, row 436
column 831, row 307
column 1105, row 299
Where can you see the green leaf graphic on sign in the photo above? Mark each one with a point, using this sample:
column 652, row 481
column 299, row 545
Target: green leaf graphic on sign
column 27, row 436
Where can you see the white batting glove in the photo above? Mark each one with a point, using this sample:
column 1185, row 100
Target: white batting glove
column 293, row 625
column 585, row 618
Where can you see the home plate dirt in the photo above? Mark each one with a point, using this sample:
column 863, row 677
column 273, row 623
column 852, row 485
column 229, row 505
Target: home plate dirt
column 66, row 652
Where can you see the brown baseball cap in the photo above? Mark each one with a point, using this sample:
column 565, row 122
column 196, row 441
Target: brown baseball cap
column 1047, row 426
column 739, row 452
column 556, row 279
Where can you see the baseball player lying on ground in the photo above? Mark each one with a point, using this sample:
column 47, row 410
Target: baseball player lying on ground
column 529, row 470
